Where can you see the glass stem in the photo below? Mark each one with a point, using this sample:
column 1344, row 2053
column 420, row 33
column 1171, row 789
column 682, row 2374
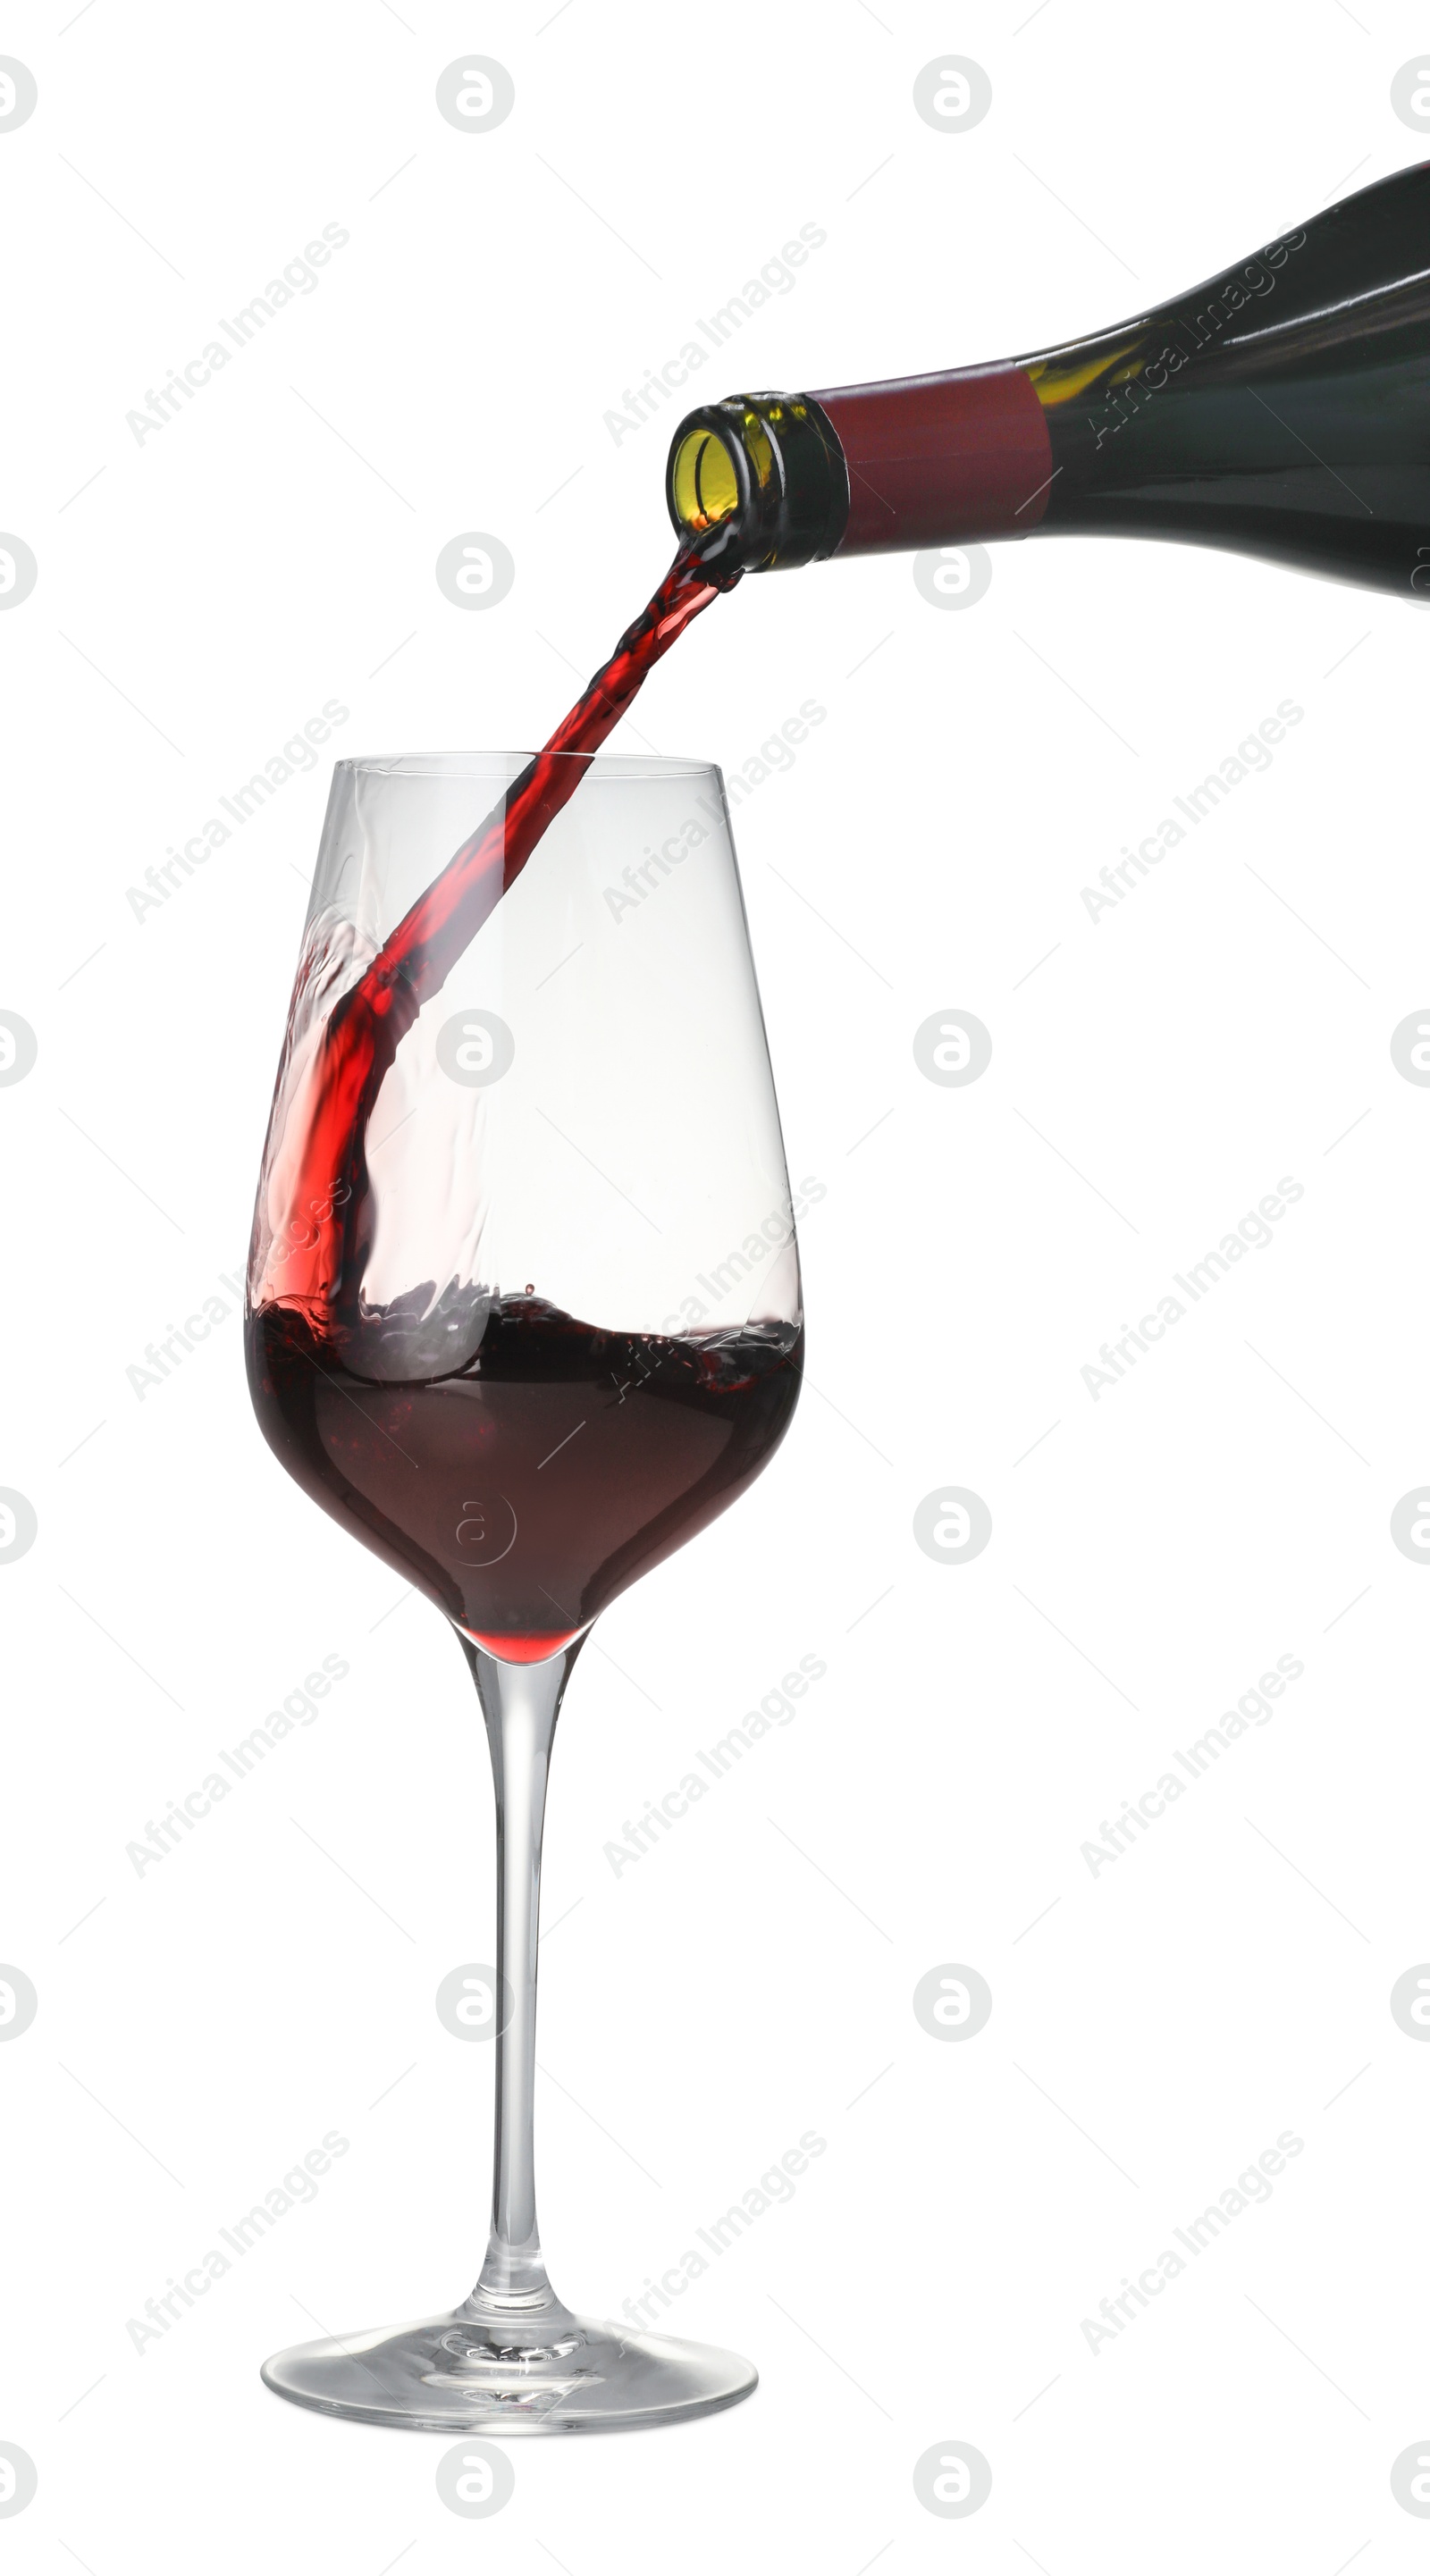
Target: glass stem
column 520, row 1704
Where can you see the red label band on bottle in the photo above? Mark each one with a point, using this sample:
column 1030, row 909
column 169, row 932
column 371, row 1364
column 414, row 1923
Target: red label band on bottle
column 937, row 459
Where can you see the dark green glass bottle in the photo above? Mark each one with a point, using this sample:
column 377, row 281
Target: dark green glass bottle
column 1282, row 409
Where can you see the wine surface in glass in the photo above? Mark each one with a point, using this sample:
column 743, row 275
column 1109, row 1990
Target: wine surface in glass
column 527, row 1489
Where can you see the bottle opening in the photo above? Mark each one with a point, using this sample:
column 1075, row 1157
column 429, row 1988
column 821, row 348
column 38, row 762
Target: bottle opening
column 704, row 488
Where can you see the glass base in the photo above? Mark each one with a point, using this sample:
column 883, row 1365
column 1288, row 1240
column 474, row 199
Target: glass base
column 481, row 2369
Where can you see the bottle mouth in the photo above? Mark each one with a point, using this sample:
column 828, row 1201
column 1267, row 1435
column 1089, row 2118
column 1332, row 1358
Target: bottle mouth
column 704, row 488
column 770, row 469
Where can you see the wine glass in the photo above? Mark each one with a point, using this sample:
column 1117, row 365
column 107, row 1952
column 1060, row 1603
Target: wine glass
column 524, row 1315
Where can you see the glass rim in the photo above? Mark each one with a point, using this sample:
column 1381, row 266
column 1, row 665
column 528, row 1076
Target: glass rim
column 631, row 766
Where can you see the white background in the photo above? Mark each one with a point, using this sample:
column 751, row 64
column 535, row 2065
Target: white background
column 1154, row 1074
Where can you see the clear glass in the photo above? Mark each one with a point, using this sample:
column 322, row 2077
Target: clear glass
column 567, row 1332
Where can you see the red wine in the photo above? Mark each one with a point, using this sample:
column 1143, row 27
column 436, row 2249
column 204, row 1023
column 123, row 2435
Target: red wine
column 521, row 1467
column 526, row 1489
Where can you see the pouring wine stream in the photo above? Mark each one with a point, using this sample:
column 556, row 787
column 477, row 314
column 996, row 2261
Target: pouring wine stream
column 327, row 1200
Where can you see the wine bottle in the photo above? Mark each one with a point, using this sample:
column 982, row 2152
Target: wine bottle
column 1281, row 409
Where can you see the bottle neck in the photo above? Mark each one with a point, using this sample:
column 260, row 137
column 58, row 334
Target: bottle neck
column 864, row 469
column 938, row 460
